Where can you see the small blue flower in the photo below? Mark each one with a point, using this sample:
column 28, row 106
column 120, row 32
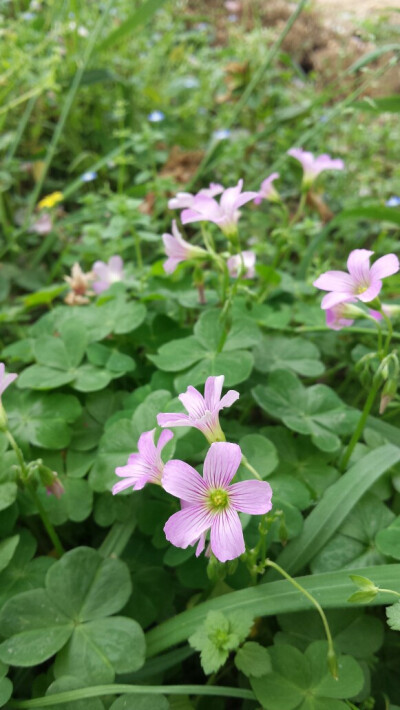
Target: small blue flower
column 202, row 27
column 89, row 176
column 221, row 134
column 156, row 116
column 190, row 82
column 28, row 15
column 393, row 201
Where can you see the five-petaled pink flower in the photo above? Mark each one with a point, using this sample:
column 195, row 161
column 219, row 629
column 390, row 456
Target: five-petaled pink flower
column 267, row 190
column 182, row 200
column 243, row 264
column 362, row 282
column 177, row 249
column 146, row 466
column 211, row 503
column 107, row 274
column 313, row 166
column 203, row 412
column 226, row 214
column 5, row 380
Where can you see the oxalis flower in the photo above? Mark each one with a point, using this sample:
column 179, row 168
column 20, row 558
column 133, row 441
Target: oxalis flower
column 185, row 199
column 267, row 190
column 203, row 412
column 107, row 274
column 5, row 380
column 177, row 249
column 211, row 503
column 245, row 261
column 362, row 282
column 313, row 166
column 343, row 314
column 146, row 466
column 226, row 214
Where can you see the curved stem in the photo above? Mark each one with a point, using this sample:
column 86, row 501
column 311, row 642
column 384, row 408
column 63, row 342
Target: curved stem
column 251, row 468
column 361, row 423
column 331, row 652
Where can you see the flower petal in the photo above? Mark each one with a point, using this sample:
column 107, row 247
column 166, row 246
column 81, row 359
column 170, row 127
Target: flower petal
column 164, row 438
column 333, row 298
column 228, row 399
column 186, row 526
column 221, row 463
column 147, row 447
column 193, row 402
column 122, row 485
column 252, row 497
column 212, row 392
column 371, row 292
column 226, row 538
column 174, row 419
column 183, row 481
column 116, row 264
column 335, row 281
column 358, row 266
column 385, row 266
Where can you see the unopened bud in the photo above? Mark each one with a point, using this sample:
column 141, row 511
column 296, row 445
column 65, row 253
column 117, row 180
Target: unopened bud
column 3, row 418
column 333, row 664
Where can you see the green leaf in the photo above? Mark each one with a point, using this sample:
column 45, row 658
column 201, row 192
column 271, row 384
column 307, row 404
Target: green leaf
column 23, row 573
column 118, row 442
column 235, row 366
column 74, row 336
column 260, row 452
column 178, row 354
column 41, row 377
column 140, row 702
column 218, row 636
column 88, row 587
column 8, row 494
column 99, row 649
column 7, row 549
column 253, row 660
column 332, row 590
column 393, row 616
column 6, row 689
column 379, row 105
column 374, row 212
column 296, row 354
column 91, row 379
column 67, row 683
column 316, row 411
column 372, row 57
column 42, row 420
column 388, row 541
column 35, row 629
column 335, row 505
column 132, row 24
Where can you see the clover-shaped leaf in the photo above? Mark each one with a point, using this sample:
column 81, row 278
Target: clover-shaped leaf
column 296, row 354
column 73, row 615
column 23, row 573
column 393, row 616
column 218, row 636
column 316, row 411
column 303, row 682
column 6, row 687
column 42, row 419
column 388, row 540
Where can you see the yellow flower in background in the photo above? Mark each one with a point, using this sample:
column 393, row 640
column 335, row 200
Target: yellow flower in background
column 51, row 200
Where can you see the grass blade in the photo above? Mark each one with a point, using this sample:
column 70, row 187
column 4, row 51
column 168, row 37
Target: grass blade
column 136, row 20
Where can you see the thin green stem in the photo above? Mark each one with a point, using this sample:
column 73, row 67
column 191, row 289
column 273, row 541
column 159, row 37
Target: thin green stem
column 117, row 538
column 46, row 522
column 361, row 423
column 300, row 209
column 331, row 652
column 117, row 689
column 251, row 468
column 389, row 333
column 389, row 591
column 17, row 452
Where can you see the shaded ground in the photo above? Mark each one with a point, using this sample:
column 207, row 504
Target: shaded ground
column 359, row 9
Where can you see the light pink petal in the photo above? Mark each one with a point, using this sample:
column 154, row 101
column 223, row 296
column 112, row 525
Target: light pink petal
column 100, row 286
column 226, row 539
column 5, row 380
column 252, row 497
column 173, row 419
column 183, row 481
column 170, row 265
column 371, row 292
column 376, row 314
column 2, row 370
column 228, row 399
column 336, row 321
column 180, row 201
column 201, row 545
column 245, row 197
column 146, row 446
column 175, row 248
column 116, row 264
column 100, row 269
column 332, row 299
column 221, row 463
column 358, row 266
column 187, row 526
column 189, row 216
column 193, row 402
column 230, row 197
column 164, row 438
column 122, row 485
column 385, row 266
column 212, row 392
column 335, row 281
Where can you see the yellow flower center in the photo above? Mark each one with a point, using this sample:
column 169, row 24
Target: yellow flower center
column 218, row 499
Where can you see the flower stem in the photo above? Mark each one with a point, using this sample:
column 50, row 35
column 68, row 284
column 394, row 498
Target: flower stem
column 332, row 662
column 361, row 423
column 251, row 468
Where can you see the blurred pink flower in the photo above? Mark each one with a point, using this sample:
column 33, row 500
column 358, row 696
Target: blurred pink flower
column 145, row 466
column 245, row 261
column 185, row 199
column 107, row 274
column 225, row 214
column 203, row 412
column 362, row 282
column 267, row 190
column 56, row 488
column 43, row 224
column 5, row 380
column 212, row 503
column 313, row 166
column 177, row 249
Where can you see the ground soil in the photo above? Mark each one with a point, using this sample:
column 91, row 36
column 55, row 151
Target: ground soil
column 355, row 9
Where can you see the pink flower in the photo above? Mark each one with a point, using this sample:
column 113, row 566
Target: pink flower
column 362, row 282
column 185, row 199
column 226, row 214
column 212, row 503
column 203, row 412
column 56, row 488
column 312, row 167
column 43, row 224
column 5, row 380
column 245, row 261
column 107, row 274
column 177, row 249
column 146, row 466
column 267, row 190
